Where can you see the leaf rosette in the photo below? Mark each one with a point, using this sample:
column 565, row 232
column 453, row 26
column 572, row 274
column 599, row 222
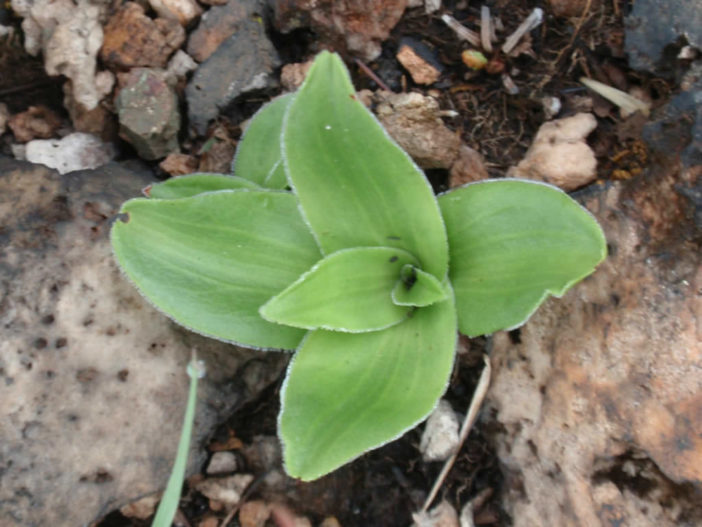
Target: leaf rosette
column 330, row 241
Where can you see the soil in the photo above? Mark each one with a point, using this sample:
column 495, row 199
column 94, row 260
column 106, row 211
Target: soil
column 384, row 487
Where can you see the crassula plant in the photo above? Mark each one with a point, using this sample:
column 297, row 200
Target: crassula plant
column 328, row 240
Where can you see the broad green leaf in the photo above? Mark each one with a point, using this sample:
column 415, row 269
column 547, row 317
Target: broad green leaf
column 349, row 290
column 346, row 393
column 194, row 184
column 357, row 188
column 513, row 243
column 210, row 261
column 417, row 288
column 258, row 155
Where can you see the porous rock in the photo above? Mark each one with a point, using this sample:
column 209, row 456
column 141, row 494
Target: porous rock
column 76, row 151
column 92, row 378
column 357, row 26
column 242, row 63
column 600, row 400
column 98, row 121
column 133, row 39
column 218, row 24
column 70, row 35
column 559, row 154
column 413, row 120
column 147, row 107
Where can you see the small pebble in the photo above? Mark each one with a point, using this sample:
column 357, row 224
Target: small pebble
column 221, row 463
column 440, row 437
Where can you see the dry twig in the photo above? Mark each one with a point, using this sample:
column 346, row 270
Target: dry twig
column 532, row 21
column 475, row 404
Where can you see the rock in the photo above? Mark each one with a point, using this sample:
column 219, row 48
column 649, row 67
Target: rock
column 132, row 39
column 70, row 35
column 98, row 121
column 221, row 463
column 419, row 60
column 92, row 378
column 182, row 11
column 141, row 509
column 413, row 120
column 330, row 521
column 149, row 119
column 181, row 64
column 4, row 116
column 358, row 27
column 242, row 63
column 600, row 400
column 218, row 24
column 654, row 24
column 282, row 515
column 293, row 75
column 225, row 490
column 443, row 515
column 559, row 154
column 468, row 167
column 571, row 8
column 440, row 436
column 76, row 151
column 254, row 513
column 36, row 122
column 178, row 164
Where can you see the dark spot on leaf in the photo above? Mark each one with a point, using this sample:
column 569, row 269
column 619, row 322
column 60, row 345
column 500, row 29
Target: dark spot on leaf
column 393, row 259
column 396, row 238
column 123, row 217
column 353, row 96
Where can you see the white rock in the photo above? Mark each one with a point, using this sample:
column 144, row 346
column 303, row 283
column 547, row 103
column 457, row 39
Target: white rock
column 70, row 35
column 221, row 463
column 466, row 518
column 431, row 6
column 440, row 437
column 181, row 10
column 443, row 515
column 76, row 151
column 559, row 154
column 181, row 64
column 225, row 490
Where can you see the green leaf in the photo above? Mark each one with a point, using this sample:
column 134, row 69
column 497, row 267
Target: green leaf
column 417, row 288
column 210, row 261
column 357, row 188
column 258, row 156
column 349, row 290
column 194, row 184
column 512, row 243
column 347, row 393
column 171, row 496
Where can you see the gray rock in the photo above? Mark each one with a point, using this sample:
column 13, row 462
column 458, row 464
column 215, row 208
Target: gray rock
column 654, row 24
column 92, row 378
column 149, row 119
column 221, row 463
column 242, row 63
